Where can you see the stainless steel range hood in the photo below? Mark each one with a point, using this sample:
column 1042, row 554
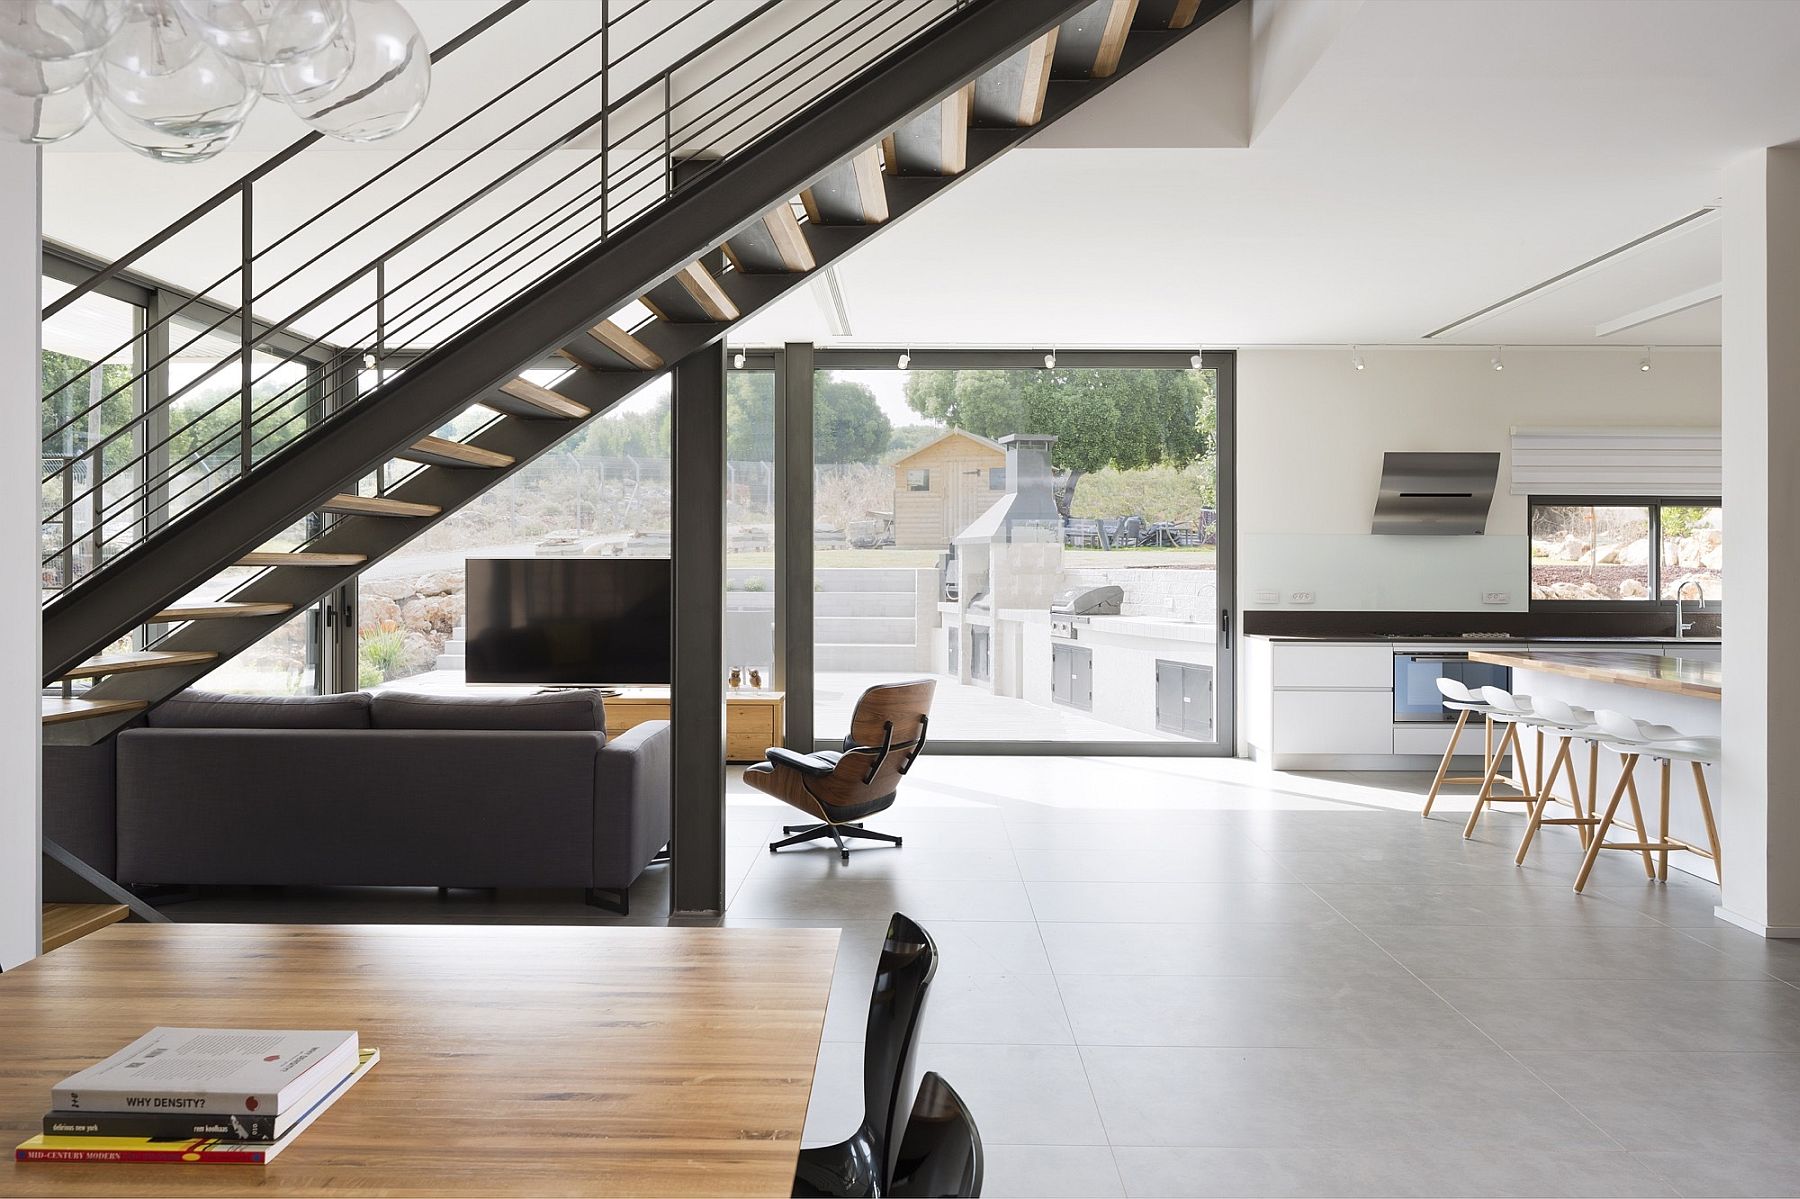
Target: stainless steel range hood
column 1435, row 494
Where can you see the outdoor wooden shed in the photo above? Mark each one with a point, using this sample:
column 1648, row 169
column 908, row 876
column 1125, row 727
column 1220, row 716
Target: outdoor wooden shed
column 943, row 485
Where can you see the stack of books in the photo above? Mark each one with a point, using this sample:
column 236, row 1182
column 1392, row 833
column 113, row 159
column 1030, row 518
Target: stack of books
column 232, row 1095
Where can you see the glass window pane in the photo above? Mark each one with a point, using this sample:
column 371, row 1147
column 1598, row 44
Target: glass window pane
column 1693, row 553
column 750, row 588
column 942, row 545
column 1590, row 552
column 602, row 491
column 283, row 663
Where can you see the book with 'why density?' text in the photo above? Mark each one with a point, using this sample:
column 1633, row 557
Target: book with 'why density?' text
column 209, row 1071
column 186, row 1150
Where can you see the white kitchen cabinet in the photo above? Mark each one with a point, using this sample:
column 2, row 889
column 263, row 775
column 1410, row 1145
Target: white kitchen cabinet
column 1315, row 666
column 1333, row 722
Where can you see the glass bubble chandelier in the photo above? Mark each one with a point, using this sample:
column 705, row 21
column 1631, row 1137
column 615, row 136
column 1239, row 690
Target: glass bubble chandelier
column 175, row 79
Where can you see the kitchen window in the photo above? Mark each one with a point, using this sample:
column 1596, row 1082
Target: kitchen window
column 1626, row 551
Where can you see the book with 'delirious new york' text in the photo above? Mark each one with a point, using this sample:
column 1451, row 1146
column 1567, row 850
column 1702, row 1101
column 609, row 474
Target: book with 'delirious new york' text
column 186, row 1150
column 209, row 1071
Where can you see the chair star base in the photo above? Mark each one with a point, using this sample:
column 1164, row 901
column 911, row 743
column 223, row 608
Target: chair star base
column 800, row 834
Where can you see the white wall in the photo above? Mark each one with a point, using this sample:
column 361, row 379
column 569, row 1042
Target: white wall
column 19, row 816
column 1311, row 432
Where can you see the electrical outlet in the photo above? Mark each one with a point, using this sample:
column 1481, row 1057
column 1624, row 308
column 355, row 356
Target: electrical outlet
column 1268, row 596
column 1496, row 597
column 1301, row 597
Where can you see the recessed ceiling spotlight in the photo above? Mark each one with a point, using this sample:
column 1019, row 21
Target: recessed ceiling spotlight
column 1496, row 361
column 737, row 360
column 1356, row 358
column 905, row 358
column 1644, row 362
column 1050, row 360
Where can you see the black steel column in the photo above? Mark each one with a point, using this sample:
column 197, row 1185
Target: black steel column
column 697, row 678
column 794, row 540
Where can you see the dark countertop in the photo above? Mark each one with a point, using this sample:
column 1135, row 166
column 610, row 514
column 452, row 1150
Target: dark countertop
column 1654, row 672
column 1473, row 642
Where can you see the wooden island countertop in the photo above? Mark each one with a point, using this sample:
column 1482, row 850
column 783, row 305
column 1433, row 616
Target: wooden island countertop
column 1670, row 673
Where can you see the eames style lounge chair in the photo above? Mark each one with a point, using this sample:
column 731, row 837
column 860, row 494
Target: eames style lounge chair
column 840, row 788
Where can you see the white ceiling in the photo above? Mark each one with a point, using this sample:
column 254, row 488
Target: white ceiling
column 1414, row 161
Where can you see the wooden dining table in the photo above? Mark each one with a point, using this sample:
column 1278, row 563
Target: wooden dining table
column 514, row 1060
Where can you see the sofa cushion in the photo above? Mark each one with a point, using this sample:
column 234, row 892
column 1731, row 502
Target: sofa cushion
column 210, row 710
column 554, row 711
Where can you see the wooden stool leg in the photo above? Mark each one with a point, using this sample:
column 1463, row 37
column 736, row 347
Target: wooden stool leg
column 1537, row 808
column 1538, row 763
column 1662, row 855
column 1462, row 718
column 1637, row 814
column 1487, row 782
column 1599, row 841
column 1567, row 758
column 1706, row 813
column 1593, row 794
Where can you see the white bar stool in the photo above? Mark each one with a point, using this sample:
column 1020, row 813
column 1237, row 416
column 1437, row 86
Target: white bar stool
column 1509, row 711
column 1465, row 703
column 1633, row 739
column 1568, row 724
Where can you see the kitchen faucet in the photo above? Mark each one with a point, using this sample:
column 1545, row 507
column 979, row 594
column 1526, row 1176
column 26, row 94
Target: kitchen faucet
column 1682, row 624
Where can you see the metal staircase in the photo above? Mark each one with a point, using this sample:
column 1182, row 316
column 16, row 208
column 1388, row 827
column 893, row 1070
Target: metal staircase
column 719, row 183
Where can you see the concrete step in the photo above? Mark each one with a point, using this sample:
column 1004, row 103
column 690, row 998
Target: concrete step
column 841, row 578
column 449, row 661
column 864, row 630
column 828, row 656
column 863, row 603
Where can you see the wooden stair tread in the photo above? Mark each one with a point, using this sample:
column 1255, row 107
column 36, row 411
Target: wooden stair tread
column 106, row 664
column 441, row 451
column 1091, row 42
column 56, row 709
column 690, row 296
column 851, row 193
column 621, row 345
column 65, row 922
column 936, row 142
column 773, row 244
column 522, row 397
column 375, row 505
column 300, row 558
column 218, row 610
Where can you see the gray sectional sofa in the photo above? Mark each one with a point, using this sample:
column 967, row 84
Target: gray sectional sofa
column 387, row 789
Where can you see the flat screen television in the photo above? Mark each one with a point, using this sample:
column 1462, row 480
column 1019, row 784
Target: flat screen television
column 568, row 621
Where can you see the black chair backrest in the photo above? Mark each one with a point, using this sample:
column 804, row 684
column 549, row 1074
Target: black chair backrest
column 940, row 1156
column 908, row 960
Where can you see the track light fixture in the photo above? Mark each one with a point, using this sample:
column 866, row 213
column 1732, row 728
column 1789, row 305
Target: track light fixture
column 1497, row 362
column 905, row 358
column 1644, row 362
column 1356, row 358
column 1196, row 358
column 368, row 362
column 737, row 360
column 1050, row 359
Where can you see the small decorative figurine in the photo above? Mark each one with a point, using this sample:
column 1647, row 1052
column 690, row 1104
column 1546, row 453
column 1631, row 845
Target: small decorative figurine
column 737, row 678
column 755, row 678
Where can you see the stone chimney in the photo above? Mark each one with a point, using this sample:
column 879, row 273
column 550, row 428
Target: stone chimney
column 1030, row 480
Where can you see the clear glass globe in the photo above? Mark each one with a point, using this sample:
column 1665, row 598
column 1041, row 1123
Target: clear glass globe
column 25, row 76
column 185, row 116
column 386, row 85
column 39, row 120
column 266, row 33
column 153, row 41
column 304, row 81
column 57, row 30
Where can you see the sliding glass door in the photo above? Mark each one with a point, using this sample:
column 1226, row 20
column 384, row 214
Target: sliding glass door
column 1049, row 543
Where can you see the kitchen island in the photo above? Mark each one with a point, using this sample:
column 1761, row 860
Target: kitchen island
column 1665, row 687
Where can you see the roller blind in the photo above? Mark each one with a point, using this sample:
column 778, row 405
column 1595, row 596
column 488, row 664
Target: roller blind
column 1616, row 461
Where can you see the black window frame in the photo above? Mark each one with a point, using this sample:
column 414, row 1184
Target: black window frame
column 1655, row 503
column 924, row 483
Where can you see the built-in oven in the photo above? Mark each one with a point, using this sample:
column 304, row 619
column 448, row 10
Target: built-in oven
column 1416, row 694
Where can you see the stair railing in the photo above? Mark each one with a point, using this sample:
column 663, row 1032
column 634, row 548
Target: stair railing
column 432, row 260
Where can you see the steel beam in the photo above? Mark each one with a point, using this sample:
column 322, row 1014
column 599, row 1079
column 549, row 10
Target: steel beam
column 697, row 653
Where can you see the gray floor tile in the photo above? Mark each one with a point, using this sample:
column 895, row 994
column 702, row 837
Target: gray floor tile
column 1225, row 859
column 1176, row 903
column 835, row 1109
column 877, row 899
column 1754, row 1175
column 1317, row 1098
column 1547, row 951
column 1424, row 903
column 1021, row 1094
column 1120, row 836
column 1715, row 1106
column 995, row 1009
column 1420, row 1170
column 1398, row 1013
column 1776, row 957
column 1682, row 902
column 911, row 861
column 1049, row 1172
column 1326, row 950
column 1760, row 1016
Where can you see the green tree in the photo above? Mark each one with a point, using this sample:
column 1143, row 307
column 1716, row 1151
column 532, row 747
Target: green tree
column 848, row 423
column 908, row 438
column 1125, row 419
column 635, row 434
